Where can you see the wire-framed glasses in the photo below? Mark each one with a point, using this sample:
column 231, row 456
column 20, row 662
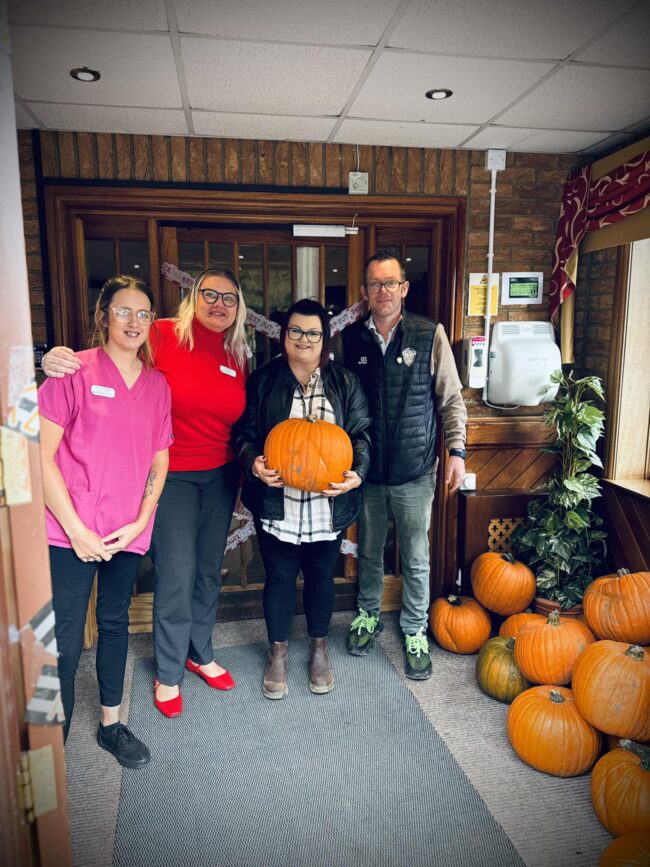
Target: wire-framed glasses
column 124, row 314
column 392, row 286
column 295, row 333
column 210, row 296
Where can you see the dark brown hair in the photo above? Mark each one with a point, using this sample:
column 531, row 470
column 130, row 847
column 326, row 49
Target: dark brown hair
column 308, row 307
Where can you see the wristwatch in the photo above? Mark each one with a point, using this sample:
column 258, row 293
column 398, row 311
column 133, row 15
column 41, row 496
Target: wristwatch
column 458, row 453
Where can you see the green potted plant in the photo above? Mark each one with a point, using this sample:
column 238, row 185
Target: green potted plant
column 561, row 539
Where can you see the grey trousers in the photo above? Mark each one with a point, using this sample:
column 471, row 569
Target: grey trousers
column 410, row 505
column 189, row 537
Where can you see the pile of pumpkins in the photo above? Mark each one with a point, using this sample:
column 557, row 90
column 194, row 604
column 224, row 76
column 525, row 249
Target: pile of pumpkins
column 569, row 682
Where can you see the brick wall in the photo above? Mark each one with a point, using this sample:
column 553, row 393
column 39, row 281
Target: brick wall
column 593, row 312
column 528, row 191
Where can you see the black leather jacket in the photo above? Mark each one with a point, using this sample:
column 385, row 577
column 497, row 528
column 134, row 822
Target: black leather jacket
column 269, row 395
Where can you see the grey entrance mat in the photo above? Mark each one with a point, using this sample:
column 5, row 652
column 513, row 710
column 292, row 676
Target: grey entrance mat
column 355, row 777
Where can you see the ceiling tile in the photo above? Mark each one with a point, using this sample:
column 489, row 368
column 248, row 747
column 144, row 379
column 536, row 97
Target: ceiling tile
column 584, row 98
column 398, row 82
column 288, row 79
column 626, row 44
column 342, row 22
column 103, row 118
column 23, row 119
column 115, row 14
column 543, row 141
column 524, row 29
column 425, row 135
column 136, row 69
column 279, row 127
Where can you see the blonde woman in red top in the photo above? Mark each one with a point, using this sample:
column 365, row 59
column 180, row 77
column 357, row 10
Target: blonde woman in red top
column 202, row 355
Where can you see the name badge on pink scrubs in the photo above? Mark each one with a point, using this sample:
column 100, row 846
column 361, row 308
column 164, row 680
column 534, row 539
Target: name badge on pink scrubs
column 102, row 391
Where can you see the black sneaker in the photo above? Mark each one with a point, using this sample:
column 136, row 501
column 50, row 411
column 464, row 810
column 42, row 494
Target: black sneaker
column 364, row 630
column 123, row 744
column 418, row 659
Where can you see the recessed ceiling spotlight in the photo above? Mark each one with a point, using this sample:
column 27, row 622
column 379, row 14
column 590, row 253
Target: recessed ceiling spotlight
column 82, row 73
column 439, row 93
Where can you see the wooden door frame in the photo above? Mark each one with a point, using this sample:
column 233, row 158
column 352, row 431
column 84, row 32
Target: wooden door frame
column 66, row 205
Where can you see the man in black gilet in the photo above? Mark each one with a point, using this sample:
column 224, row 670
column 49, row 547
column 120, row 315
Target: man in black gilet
column 408, row 371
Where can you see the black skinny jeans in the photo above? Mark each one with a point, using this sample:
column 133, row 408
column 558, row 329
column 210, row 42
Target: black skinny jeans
column 72, row 582
column 282, row 563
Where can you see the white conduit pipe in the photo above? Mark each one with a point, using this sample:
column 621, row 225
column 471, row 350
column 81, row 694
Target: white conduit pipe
column 488, row 294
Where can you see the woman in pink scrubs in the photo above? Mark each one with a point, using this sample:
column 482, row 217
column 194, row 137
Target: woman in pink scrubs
column 105, row 435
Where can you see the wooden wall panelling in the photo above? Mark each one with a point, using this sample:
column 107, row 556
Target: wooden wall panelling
column 627, row 521
column 475, row 510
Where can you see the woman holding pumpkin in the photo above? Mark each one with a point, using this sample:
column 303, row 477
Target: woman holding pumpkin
column 296, row 529
column 201, row 352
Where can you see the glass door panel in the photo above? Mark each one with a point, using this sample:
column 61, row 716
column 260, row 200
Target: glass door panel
column 100, row 265
column 134, row 259
column 191, row 257
column 220, row 255
column 336, row 279
column 279, row 279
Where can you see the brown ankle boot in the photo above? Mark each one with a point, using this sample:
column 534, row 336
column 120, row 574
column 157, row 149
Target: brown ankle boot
column 275, row 676
column 321, row 678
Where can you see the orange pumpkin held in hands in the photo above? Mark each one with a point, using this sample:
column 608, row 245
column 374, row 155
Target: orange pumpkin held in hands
column 620, row 789
column 547, row 652
column 459, row 624
column 501, row 584
column 308, row 452
column 618, row 607
column 611, row 684
column 547, row 732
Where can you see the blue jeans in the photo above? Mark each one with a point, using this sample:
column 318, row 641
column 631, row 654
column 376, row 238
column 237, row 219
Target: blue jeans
column 410, row 505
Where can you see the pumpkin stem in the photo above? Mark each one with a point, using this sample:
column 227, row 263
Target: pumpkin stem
column 312, row 418
column 554, row 618
column 509, row 558
column 636, row 652
column 556, row 697
column 454, row 600
column 622, row 572
column 510, row 643
column 639, row 750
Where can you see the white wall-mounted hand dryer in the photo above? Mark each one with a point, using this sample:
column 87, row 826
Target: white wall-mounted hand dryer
column 523, row 355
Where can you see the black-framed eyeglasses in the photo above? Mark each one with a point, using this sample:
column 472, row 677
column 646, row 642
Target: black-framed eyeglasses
column 392, row 286
column 124, row 314
column 295, row 333
column 229, row 299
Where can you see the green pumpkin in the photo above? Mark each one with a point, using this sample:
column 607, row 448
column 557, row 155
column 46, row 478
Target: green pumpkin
column 497, row 672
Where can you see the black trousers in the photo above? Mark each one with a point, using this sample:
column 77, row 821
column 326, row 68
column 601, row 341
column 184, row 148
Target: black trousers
column 282, row 563
column 189, row 538
column 72, row 582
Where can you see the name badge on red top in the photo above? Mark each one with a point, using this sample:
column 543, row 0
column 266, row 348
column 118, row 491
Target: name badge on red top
column 227, row 370
column 102, row 391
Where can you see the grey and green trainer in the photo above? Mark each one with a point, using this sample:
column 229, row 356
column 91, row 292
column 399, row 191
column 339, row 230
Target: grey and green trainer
column 418, row 660
column 364, row 630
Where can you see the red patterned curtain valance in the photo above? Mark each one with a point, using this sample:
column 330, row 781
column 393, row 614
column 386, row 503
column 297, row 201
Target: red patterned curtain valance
column 586, row 207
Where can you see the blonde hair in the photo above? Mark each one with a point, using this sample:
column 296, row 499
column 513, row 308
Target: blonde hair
column 235, row 343
column 108, row 290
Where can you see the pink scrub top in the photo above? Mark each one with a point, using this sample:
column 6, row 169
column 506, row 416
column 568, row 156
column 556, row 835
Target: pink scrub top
column 111, row 434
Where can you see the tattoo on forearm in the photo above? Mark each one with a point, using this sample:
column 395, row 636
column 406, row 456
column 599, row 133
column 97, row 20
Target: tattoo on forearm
column 151, row 478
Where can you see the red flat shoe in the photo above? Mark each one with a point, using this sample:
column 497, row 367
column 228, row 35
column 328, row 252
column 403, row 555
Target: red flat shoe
column 221, row 681
column 170, row 708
